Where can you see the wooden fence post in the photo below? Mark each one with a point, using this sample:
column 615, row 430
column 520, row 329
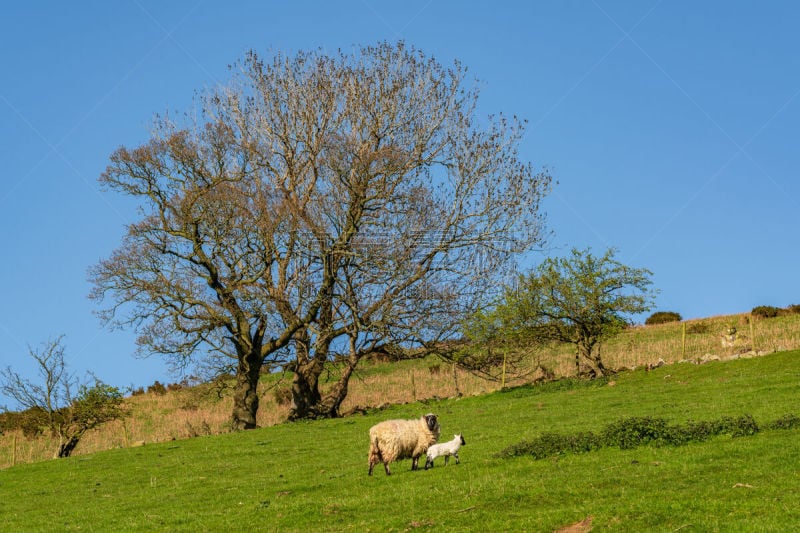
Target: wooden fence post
column 752, row 334
column 14, row 450
column 683, row 342
column 413, row 386
column 503, row 380
column 125, row 432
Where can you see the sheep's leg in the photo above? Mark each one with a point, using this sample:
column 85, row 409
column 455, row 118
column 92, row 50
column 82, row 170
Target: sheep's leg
column 375, row 457
column 446, row 459
column 386, row 467
column 458, row 461
column 415, row 462
column 428, row 463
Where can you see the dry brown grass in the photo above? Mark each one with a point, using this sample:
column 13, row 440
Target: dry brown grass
column 191, row 412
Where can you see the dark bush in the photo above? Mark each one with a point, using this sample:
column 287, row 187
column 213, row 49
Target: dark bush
column 157, row 388
column 32, row 422
column 662, row 317
column 794, row 309
column 766, row 311
column 741, row 426
column 789, row 421
column 635, row 431
column 629, row 433
column 551, row 444
column 697, row 328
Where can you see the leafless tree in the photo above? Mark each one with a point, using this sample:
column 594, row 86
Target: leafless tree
column 317, row 208
column 57, row 401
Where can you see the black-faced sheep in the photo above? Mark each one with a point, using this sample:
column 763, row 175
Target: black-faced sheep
column 445, row 449
column 393, row 440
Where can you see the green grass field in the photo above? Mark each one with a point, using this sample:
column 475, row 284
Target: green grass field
column 313, row 476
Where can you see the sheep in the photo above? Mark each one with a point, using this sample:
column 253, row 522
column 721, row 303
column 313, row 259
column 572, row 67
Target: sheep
column 445, row 449
column 392, row 440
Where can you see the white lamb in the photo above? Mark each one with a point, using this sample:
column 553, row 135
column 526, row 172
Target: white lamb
column 445, row 449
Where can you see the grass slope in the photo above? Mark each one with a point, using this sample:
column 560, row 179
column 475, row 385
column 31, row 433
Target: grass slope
column 313, row 476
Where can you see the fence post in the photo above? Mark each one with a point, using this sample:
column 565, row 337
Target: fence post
column 14, row 450
column 752, row 334
column 683, row 342
column 125, row 432
column 503, row 380
column 413, row 386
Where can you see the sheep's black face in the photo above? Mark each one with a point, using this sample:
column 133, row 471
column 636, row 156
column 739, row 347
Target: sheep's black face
column 431, row 421
column 463, row 442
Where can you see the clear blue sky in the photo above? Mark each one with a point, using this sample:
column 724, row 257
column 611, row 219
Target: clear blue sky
column 672, row 127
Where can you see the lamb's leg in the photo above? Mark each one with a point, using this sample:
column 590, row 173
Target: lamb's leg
column 446, row 459
column 428, row 463
column 414, row 462
column 458, row 461
column 386, row 467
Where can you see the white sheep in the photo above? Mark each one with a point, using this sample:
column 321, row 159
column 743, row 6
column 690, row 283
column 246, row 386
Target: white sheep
column 445, row 449
column 392, row 440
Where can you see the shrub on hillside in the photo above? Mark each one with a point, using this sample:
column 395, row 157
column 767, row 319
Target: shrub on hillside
column 794, row 309
column 552, row 444
column 628, row 433
column 157, row 388
column 28, row 421
column 631, row 432
column 662, row 317
column 697, row 328
column 766, row 311
column 788, row 421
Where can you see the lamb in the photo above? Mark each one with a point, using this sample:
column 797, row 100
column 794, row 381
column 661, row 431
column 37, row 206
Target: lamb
column 392, row 440
column 445, row 449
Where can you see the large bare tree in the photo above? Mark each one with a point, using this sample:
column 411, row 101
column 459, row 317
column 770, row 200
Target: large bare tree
column 315, row 209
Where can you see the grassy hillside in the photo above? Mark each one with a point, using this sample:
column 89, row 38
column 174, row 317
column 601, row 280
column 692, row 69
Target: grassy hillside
column 313, row 476
column 201, row 411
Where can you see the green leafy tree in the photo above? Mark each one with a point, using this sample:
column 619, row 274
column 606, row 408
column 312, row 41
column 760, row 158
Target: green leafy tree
column 581, row 299
column 57, row 402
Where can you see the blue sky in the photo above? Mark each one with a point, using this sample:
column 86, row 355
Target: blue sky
column 671, row 126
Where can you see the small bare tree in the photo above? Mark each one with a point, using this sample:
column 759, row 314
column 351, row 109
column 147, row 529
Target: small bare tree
column 57, row 402
column 324, row 207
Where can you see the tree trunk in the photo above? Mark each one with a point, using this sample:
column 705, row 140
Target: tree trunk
column 245, row 395
column 66, row 448
column 598, row 363
column 597, row 369
column 305, row 390
column 332, row 402
column 601, row 369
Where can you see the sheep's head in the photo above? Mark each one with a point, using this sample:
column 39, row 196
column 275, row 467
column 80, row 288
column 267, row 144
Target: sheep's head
column 461, row 437
column 431, row 421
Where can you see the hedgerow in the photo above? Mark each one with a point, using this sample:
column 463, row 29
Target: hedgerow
column 628, row 433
